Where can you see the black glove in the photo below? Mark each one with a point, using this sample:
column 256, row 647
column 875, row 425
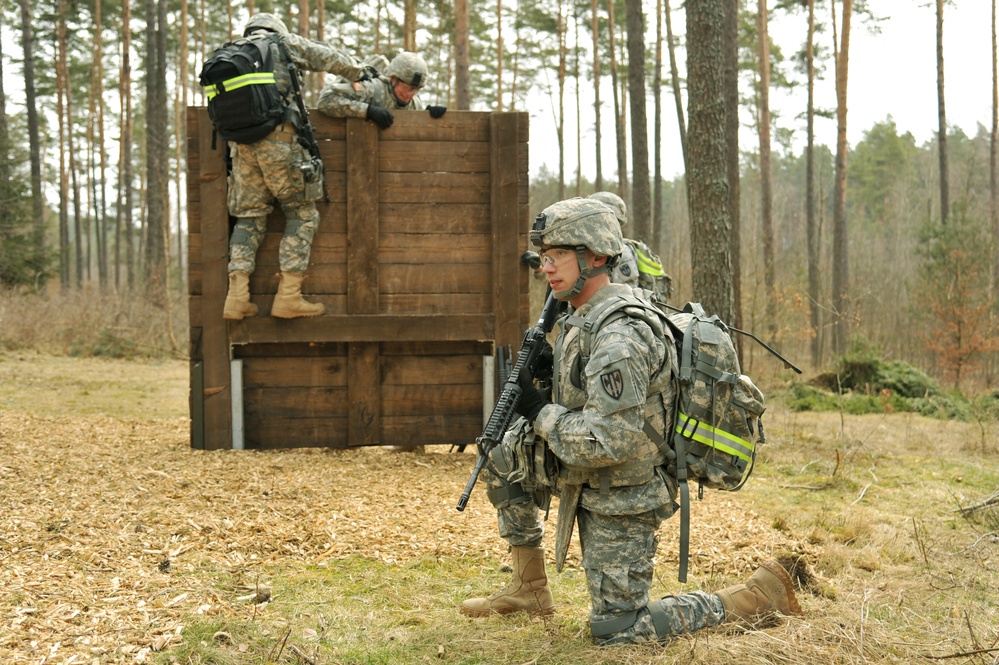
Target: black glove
column 436, row 111
column 368, row 73
column 531, row 399
column 379, row 116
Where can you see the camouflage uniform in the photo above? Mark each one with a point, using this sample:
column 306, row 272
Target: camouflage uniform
column 610, row 475
column 272, row 168
column 350, row 100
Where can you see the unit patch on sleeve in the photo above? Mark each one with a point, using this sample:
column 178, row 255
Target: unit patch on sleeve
column 613, row 383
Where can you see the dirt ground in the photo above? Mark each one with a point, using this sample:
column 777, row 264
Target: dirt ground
column 106, row 513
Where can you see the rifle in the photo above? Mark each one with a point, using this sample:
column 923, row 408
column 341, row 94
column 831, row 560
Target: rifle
column 306, row 133
column 504, row 410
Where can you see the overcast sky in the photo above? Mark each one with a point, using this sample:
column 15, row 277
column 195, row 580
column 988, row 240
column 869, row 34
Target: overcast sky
column 892, row 73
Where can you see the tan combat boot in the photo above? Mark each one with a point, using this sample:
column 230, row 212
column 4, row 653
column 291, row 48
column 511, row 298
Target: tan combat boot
column 527, row 592
column 768, row 590
column 237, row 300
column 288, row 303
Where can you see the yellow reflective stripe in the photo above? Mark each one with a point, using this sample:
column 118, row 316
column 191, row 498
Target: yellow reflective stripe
column 647, row 265
column 715, row 438
column 257, row 78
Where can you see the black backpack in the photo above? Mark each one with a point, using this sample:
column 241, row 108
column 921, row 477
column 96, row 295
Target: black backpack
column 244, row 102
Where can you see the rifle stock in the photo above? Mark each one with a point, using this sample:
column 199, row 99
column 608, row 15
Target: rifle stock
column 506, row 406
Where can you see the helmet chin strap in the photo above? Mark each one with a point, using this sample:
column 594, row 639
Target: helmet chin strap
column 585, row 272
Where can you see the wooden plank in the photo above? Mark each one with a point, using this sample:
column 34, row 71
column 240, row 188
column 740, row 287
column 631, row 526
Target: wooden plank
column 432, row 348
column 291, row 372
column 508, row 291
column 433, row 188
column 455, row 125
column 362, row 217
column 425, row 430
column 404, row 279
column 298, row 402
column 274, row 432
column 278, row 350
column 435, row 370
column 435, row 157
column 362, row 328
column 364, row 395
column 429, row 248
column 446, row 218
column 453, row 400
column 213, row 259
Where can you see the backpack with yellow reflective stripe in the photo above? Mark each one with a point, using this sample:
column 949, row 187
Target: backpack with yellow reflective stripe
column 718, row 408
column 244, row 102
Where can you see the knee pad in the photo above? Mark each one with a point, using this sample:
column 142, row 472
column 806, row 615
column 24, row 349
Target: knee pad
column 604, row 629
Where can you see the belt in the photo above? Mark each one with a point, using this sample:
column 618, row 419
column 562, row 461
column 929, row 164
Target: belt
column 284, row 133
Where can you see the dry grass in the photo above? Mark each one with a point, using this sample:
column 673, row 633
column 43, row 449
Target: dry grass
column 91, row 323
column 121, row 544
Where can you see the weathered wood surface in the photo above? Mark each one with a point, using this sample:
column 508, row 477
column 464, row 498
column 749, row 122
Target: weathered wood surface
column 417, row 262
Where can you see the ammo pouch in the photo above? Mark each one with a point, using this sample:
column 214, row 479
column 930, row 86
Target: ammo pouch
column 525, row 463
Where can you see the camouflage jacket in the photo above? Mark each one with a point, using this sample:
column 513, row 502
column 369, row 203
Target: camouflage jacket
column 311, row 56
column 595, row 425
column 351, row 100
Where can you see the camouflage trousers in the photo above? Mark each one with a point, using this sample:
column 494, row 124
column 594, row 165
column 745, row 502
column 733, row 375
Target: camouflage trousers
column 264, row 172
column 618, row 552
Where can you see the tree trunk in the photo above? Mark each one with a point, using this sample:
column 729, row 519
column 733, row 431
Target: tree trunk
column 675, row 82
column 766, row 195
column 621, row 141
column 577, row 67
column 180, row 157
column 62, row 94
column 157, row 204
column 499, row 55
column 408, row 25
column 730, row 69
column 562, row 66
column 841, row 253
column 657, row 131
column 101, row 213
column 708, row 154
column 942, row 120
column 639, row 215
column 595, row 29
column 462, row 84
column 34, row 143
column 994, row 165
column 123, row 232
column 811, row 224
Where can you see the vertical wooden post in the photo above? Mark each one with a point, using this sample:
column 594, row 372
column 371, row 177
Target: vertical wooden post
column 214, row 263
column 504, row 204
column 363, row 384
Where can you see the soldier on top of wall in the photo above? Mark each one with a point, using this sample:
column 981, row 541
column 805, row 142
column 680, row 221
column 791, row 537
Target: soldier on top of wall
column 395, row 88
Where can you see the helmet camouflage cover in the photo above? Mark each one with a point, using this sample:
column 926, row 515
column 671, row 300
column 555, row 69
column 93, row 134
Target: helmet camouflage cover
column 409, row 68
column 579, row 222
column 264, row 21
column 615, row 203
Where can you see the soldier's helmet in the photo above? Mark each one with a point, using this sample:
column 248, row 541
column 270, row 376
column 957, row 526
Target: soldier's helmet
column 264, row 21
column 409, row 68
column 579, row 223
column 615, row 203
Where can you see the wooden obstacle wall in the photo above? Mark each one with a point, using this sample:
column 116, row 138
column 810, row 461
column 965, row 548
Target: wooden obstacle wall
column 417, row 261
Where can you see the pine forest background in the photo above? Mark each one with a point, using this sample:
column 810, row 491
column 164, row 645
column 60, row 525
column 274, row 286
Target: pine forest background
column 887, row 246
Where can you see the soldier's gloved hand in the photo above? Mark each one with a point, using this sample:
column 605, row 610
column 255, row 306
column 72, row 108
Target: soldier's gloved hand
column 368, row 73
column 380, row 116
column 531, row 399
column 436, row 111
